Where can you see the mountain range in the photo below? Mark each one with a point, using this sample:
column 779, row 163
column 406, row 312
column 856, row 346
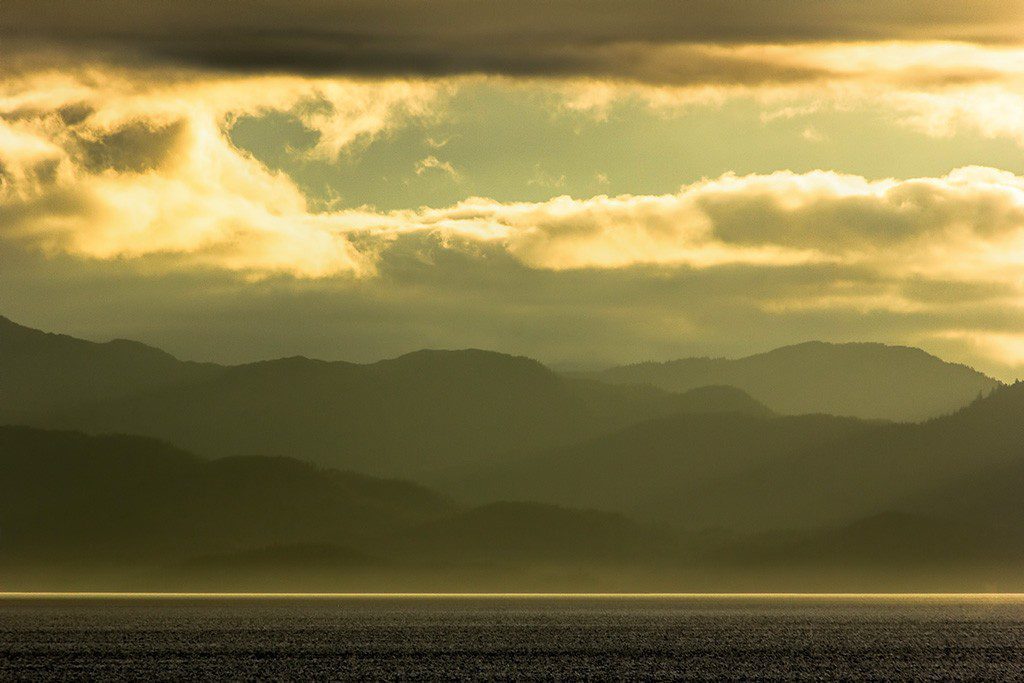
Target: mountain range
column 421, row 411
column 413, row 414
column 870, row 381
column 81, row 512
column 70, row 500
column 753, row 472
column 125, row 467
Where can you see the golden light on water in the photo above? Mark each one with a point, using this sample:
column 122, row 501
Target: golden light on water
column 531, row 596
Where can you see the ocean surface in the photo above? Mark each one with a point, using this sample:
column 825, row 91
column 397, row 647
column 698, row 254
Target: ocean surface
column 764, row 637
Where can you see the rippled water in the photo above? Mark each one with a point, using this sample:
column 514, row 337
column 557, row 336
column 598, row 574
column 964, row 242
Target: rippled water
column 428, row 638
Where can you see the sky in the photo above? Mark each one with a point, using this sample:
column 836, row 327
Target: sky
column 584, row 182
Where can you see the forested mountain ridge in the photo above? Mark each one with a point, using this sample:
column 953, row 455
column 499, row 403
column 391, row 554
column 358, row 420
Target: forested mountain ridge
column 867, row 380
column 747, row 472
column 403, row 416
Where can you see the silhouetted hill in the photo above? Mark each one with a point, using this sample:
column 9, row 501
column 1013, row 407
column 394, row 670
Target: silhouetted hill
column 881, row 467
column 720, row 399
column 130, row 512
column 422, row 411
column 425, row 410
column 594, row 475
column 890, row 539
column 955, row 530
column 750, row 473
column 42, row 372
column 988, row 499
column 871, row 381
column 128, row 509
column 660, row 469
column 300, row 558
column 520, row 533
column 64, row 494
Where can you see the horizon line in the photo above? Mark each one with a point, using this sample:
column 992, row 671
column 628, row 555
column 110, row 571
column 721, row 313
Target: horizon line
column 489, row 595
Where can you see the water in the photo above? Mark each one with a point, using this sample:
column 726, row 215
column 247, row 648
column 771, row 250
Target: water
column 511, row 637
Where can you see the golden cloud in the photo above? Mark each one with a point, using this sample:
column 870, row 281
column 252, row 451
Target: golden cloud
column 105, row 162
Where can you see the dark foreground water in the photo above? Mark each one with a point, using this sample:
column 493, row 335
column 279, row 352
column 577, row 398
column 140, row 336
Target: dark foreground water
column 567, row 638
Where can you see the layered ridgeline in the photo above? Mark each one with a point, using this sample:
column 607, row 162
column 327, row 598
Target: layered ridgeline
column 70, row 495
column 82, row 512
column 872, row 381
column 538, row 481
column 422, row 411
column 752, row 473
column 116, row 512
column 43, row 373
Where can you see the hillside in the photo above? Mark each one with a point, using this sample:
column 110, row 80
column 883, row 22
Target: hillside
column 43, row 373
column 522, row 533
column 121, row 498
column 662, row 469
column 397, row 417
column 423, row 411
column 749, row 473
column 118, row 512
column 115, row 511
column 870, row 381
column 555, row 481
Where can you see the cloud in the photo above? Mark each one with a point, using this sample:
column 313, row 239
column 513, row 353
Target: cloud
column 967, row 224
column 115, row 158
column 432, row 163
column 700, row 46
column 1002, row 348
column 108, row 164
column 205, row 201
column 451, row 37
column 139, row 172
column 103, row 167
column 812, row 134
column 541, row 178
column 665, row 62
column 935, row 88
column 837, row 213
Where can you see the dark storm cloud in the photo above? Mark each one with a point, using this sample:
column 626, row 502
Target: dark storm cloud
column 607, row 38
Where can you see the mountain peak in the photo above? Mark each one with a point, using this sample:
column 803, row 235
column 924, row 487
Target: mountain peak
column 46, row 373
column 469, row 353
column 720, row 398
column 858, row 379
column 9, row 328
column 13, row 332
column 857, row 346
column 466, row 359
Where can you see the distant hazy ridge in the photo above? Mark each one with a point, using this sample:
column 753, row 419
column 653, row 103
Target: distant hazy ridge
column 536, row 479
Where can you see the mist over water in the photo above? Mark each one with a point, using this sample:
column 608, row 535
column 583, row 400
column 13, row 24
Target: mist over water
column 764, row 637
